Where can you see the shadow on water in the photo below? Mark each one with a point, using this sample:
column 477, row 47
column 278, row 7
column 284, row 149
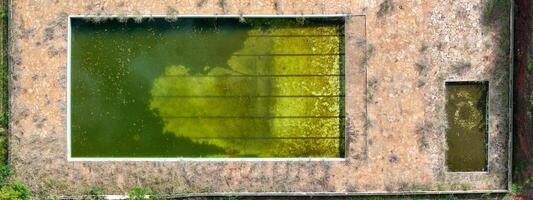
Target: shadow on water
column 117, row 65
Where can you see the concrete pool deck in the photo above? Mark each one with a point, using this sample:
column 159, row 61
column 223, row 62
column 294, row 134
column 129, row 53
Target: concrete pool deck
column 399, row 55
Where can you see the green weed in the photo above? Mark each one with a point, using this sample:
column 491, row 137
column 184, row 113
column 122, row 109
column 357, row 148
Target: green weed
column 15, row 191
column 94, row 194
column 5, row 171
column 139, row 193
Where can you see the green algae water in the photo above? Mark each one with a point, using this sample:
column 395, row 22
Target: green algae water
column 207, row 87
column 466, row 136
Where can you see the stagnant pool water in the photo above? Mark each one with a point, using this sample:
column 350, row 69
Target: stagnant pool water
column 207, row 87
column 466, row 109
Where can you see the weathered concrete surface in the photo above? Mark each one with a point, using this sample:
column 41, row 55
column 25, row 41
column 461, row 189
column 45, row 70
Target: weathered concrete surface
column 398, row 55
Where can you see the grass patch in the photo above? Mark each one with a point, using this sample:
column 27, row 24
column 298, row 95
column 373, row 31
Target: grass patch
column 421, row 67
column 461, row 66
column 496, row 16
column 368, row 54
column 4, row 116
column 139, row 193
column 372, row 86
column 496, row 12
column 172, row 14
column 385, row 8
column 222, row 4
column 201, row 3
column 406, row 197
column 277, row 7
column 14, row 191
column 94, row 194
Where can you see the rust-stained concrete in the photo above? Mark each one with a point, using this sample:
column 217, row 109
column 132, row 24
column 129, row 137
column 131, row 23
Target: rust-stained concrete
column 398, row 55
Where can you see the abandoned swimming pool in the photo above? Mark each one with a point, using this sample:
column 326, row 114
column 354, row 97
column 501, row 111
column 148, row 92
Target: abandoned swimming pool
column 207, row 87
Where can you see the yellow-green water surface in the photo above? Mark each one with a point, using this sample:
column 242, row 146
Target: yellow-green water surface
column 466, row 135
column 207, row 87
